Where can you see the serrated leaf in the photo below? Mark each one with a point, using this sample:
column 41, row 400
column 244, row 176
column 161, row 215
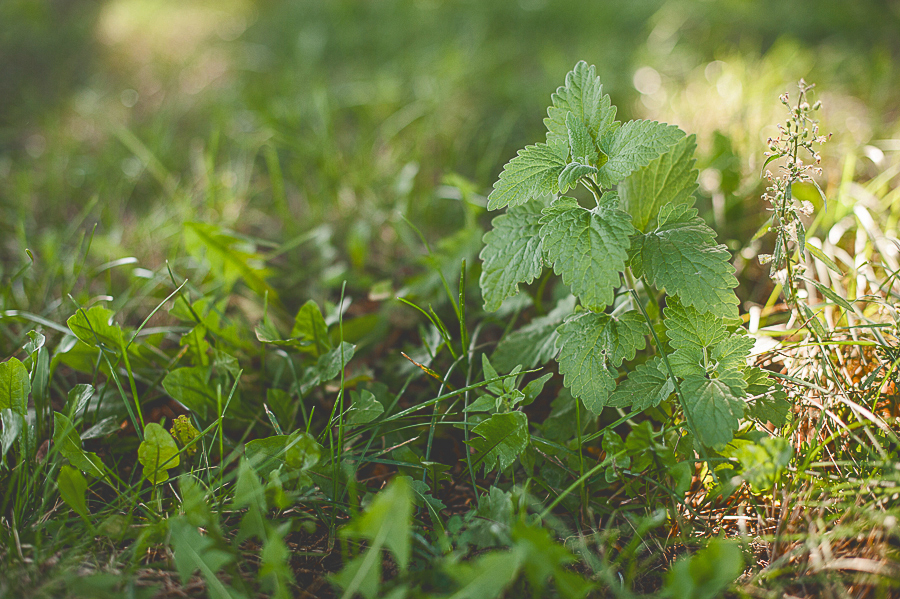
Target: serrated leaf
column 591, row 347
column 632, row 146
column 647, row 385
column 588, row 248
column 309, row 325
column 365, row 408
column 572, row 173
column 191, row 387
column 504, row 438
column 582, row 146
column 680, row 255
column 14, row 386
column 157, row 453
column 68, row 443
column 72, row 488
column 194, row 551
column 531, row 174
column 512, row 253
column 732, row 352
column 688, row 328
column 534, row 343
column 715, row 412
column 768, row 401
column 669, row 180
column 582, row 95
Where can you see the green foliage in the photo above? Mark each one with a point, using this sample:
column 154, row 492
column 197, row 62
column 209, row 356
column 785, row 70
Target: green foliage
column 194, row 551
column 532, row 174
column 707, row 573
column 503, row 438
column 14, row 386
column 68, row 443
column 512, row 253
column 157, row 453
column 72, row 487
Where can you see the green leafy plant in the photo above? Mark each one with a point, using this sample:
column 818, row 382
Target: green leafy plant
column 635, row 254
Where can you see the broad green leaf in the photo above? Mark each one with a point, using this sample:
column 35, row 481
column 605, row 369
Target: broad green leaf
column 582, row 146
column 194, row 551
column 680, row 256
column 267, row 332
column 762, row 462
column 534, row 343
column 191, row 387
column 14, row 386
column 68, row 443
column 249, row 493
column 309, row 325
column 531, row 174
column 512, row 253
column 96, row 325
column 582, row 96
column 591, row 347
column 543, row 557
column 275, row 565
column 365, row 408
column 157, row 453
column 387, row 520
column 194, row 503
column 647, row 386
column 487, row 576
column 13, row 425
column 588, row 248
column 329, row 365
column 504, row 438
column 715, row 412
column 688, row 328
column 632, row 146
column 669, row 180
column 707, row 573
column 572, row 173
column 72, row 488
column 299, row 450
column 36, row 342
column 230, row 258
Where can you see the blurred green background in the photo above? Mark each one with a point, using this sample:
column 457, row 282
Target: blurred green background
column 311, row 134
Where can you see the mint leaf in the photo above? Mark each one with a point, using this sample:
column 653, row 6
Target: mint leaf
column 572, row 173
column 715, row 412
column 531, row 174
column 511, row 254
column 647, row 385
column 582, row 95
column 591, row 346
column 632, row 146
column 587, row 247
column 504, row 438
column 581, row 145
column 670, row 179
column 692, row 333
column 680, row 255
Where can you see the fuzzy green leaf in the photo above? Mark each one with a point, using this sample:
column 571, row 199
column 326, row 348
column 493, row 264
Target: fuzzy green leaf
column 680, row 255
column 581, row 144
column 587, row 247
column 512, row 253
column 632, row 146
column 572, row 173
column 591, row 346
column 768, row 400
column 647, row 385
column 531, row 174
column 669, row 180
column 504, row 438
column 582, row 96
column 157, row 453
column 715, row 411
column 14, row 386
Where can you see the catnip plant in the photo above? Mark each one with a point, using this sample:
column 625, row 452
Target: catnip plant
column 642, row 264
